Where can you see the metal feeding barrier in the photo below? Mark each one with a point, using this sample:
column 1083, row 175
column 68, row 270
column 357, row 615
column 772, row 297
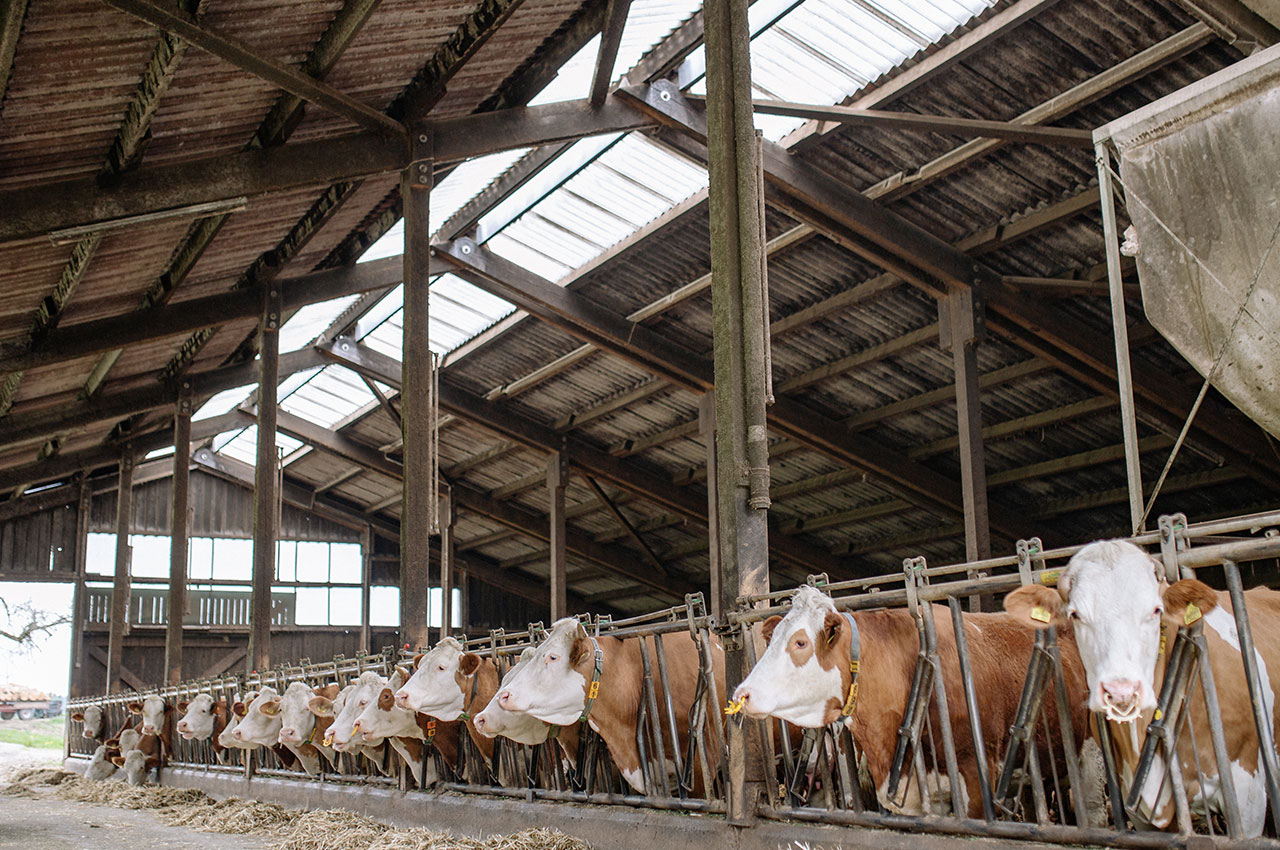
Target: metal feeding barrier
column 1029, row 762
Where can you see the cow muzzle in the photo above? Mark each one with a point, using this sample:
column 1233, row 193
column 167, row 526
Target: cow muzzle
column 148, row 729
column 402, row 699
column 289, row 736
column 742, row 697
column 1121, row 699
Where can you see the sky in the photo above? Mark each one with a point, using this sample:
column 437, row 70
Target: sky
column 46, row 666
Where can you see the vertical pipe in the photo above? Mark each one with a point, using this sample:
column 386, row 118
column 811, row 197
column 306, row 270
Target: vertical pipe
column 446, row 562
column 265, row 482
column 1120, row 327
column 971, row 706
column 366, row 585
column 736, row 295
column 178, row 538
column 121, row 586
column 557, row 479
column 416, row 521
column 79, row 596
column 1266, row 736
column 707, row 429
column 1230, row 802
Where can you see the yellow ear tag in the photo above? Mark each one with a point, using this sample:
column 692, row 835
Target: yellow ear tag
column 734, row 707
column 1191, row 615
column 1041, row 613
column 1159, row 714
column 1050, row 577
column 1162, row 640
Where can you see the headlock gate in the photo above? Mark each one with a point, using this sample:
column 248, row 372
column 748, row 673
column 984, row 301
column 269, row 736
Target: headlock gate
column 899, row 701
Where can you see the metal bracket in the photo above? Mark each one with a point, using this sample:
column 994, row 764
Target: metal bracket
column 1026, row 549
column 421, row 169
column 1173, row 539
column 969, row 322
column 272, row 306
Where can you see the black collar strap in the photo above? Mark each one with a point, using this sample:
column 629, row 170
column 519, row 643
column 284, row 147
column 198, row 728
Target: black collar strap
column 593, row 689
column 475, row 684
column 855, row 662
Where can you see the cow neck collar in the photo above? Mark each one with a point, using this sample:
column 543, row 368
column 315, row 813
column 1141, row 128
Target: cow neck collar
column 855, row 662
column 593, row 689
column 310, row 738
column 475, row 686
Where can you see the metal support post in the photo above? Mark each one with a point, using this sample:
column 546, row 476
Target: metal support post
column 366, row 583
column 178, row 537
column 121, row 587
column 557, row 480
column 739, row 316
column 416, row 424
column 447, row 573
column 707, row 428
column 265, row 483
column 1120, row 328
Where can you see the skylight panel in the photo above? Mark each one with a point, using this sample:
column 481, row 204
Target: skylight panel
column 310, row 321
column 506, row 244
column 223, row 402
column 331, row 396
column 243, row 445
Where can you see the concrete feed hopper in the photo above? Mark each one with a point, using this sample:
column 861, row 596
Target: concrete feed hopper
column 1201, row 175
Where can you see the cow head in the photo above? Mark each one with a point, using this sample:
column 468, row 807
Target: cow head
column 296, row 717
column 128, row 741
column 1114, row 596
column 441, row 680
column 91, row 719
column 553, row 685
column 383, row 718
column 800, row 677
column 197, row 718
column 151, row 710
column 236, row 711
column 365, row 690
column 496, row 720
column 260, row 724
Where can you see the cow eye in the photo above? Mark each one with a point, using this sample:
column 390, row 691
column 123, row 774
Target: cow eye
column 551, row 659
column 441, row 668
column 364, row 702
column 801, row 643
column 1158, row 612
column 1073, row 615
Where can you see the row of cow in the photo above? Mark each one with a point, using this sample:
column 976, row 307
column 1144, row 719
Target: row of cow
column 821, row 668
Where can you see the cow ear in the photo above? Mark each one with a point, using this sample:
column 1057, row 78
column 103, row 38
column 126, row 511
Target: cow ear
column 112, row 742
column 767, row 627
column 417, row 659
column 404, row 673
column 329, row 691
column 77, row 716
column 1188, row 600
column 183, row 705
column 118, row 761
column 321, row 706
column 1035, row 606
column 135, row 708
column 469, row 663
column 270, row 707
column 831, row 626
column 239, row 709
column 581, row 649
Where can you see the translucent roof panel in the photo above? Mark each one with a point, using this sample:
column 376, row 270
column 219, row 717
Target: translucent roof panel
column 459, row 311
column 328, row 397
column 223, row 402
column 822, row 51
column 310, row 321
column 243, row 444
column 626, row 187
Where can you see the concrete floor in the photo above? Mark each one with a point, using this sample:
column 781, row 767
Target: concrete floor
column 47, row 823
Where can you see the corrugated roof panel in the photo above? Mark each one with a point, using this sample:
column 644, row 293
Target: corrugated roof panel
column 243, row 445
column 328, row 397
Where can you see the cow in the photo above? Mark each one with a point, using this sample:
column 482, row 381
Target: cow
column 804, row 677
column 495, row 720
column 227, row 737
column 343, row 733
column 204, row 719
column 1123, row 612
column 100, row 766
column 156, row 726
column 92, row 720
column 451, row 684
column 137, row 754
column 562, row 677
column 300, row 729
column 251, row 727
column 135, row 766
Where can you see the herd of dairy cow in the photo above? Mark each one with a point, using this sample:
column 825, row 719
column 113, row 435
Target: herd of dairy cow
column 1113, row 606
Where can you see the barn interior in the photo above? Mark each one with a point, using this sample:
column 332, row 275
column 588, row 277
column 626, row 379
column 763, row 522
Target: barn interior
column 205, row 215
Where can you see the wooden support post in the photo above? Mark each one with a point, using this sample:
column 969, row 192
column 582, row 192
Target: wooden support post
column 739, row 318
column 557, row 480
column 416, row 521
column 265, row 482
column 179, row 530
column 960, row 328
column 75, row 685
column 121, row 587
column 447, row 573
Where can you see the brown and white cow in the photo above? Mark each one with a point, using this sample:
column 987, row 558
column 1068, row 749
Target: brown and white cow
column 156, row 721
column 204, row 719
column 100, row 766
column 804, row 678
column 1123, row 610
column 301, row 730
column 554, row 686
column 92, row 720
column 522, row 728
column 250, row 726
column 451, row 684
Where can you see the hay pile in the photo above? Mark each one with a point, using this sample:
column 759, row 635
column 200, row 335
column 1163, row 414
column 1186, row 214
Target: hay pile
column 324, row 829
column 320, row 830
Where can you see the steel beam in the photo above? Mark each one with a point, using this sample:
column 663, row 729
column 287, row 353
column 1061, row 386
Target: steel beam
column 69, row 342
column 120, row 587
column 946, row 125
column 1235, row 22
column 238, row 53
column 557, row 482
column 578, row 316
column 178, row 529
column 34, row 211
